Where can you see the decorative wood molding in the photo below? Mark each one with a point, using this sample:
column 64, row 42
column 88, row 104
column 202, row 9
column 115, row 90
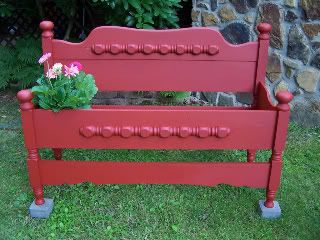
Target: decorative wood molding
column 148, row 131
column 148, row 49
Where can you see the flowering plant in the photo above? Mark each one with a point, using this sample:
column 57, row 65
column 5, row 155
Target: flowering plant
column 64, row 86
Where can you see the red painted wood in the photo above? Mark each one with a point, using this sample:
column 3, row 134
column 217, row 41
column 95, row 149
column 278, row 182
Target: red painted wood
column 274, row 180
column 183, row 44
column 263, row 99
column 207, row 174
column 251, row 155
column 197, row 59
column 65, row 126
column 27, row 109
column 47, row 40
column 157, row 75
column 264, row 39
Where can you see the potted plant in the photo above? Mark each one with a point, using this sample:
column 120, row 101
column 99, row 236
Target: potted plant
column 63, row 86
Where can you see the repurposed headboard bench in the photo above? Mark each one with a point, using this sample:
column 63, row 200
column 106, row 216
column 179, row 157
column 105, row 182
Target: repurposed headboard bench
column 193, row 59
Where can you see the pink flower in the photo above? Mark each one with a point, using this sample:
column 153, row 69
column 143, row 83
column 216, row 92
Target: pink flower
column 44, row 58
column 51, row 74
column 71, row 71
column 79, row 65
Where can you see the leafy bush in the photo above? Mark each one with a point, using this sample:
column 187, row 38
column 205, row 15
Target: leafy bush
column 19, row 65
column 71, row 90
column 141, row 13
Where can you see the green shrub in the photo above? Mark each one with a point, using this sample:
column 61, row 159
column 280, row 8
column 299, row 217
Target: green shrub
column 145, row 14
column 19, row 65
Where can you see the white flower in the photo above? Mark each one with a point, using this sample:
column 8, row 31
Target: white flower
column 57, row 68
column 51, row 74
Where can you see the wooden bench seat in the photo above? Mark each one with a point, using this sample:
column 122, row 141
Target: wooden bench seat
column 195, row 59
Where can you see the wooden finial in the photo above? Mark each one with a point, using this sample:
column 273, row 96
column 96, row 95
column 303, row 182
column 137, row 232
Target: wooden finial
column 25, row 99
column 284, row 97
column 46, row 27
column 264, row 29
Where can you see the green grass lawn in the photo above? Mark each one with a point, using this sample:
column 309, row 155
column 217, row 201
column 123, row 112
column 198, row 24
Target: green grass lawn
column 87, row 211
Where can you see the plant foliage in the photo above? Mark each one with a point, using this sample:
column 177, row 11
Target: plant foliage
column 65, row 92
column 144, row 14
column 19, row 65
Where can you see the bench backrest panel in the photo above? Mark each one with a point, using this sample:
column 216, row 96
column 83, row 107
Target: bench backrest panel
column 192, row 59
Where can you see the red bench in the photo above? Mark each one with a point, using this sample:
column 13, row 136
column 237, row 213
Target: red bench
column 194, row 59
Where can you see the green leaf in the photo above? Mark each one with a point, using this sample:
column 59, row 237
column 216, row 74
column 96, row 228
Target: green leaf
column 39, row 90
column 147, row 26
column 135, row 3
column 125, row 4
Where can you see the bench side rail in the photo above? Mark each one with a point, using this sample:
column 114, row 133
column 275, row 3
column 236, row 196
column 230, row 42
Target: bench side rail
column 192, row 59
column 157, row 128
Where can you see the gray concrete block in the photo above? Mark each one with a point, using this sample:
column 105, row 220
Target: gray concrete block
column 41, row 211
column 269, row 213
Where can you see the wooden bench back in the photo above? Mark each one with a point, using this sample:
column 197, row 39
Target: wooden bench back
column 192, row 59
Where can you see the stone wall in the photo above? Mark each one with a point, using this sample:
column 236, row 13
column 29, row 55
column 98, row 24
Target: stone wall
column 294, row 56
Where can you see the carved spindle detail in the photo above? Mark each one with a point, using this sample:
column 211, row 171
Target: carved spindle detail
column 127, row 132
column 276, row 160
column 184, row 132
column 25, row 99
column 181, row 49
column 212, row 50
column 148, row 48
column 196, row 49
column 132, row 48
column 88, row 131
column 148, row 131
column 271, row 195
column 33, row 159
column 98, row 48
column 165, row 132
column 115, row 49
column 164, row 49
column 38, row 195
column 222, row 132
column 107, row 132
column 284, row 98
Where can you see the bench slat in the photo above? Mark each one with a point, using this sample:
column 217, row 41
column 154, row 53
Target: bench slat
column 205, row 174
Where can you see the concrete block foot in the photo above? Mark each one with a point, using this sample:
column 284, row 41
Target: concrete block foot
column 41, row 211
column 269, row 213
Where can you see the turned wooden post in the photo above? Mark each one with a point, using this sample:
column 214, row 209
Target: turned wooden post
column 47, row 36
column 283, row 108
column 27, row 107
column 251, row 155
column 264, row 40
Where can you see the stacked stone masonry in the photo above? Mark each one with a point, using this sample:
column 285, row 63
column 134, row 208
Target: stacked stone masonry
column 294, row 56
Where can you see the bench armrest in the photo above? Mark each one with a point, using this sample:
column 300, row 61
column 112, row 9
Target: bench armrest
column 264, row 102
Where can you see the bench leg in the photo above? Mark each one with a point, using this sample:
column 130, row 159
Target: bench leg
column 57, row 152
column 270, row 208
column 40, row 207
column 251, row 155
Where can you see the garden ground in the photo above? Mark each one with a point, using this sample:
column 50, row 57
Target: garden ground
column 87, row 211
